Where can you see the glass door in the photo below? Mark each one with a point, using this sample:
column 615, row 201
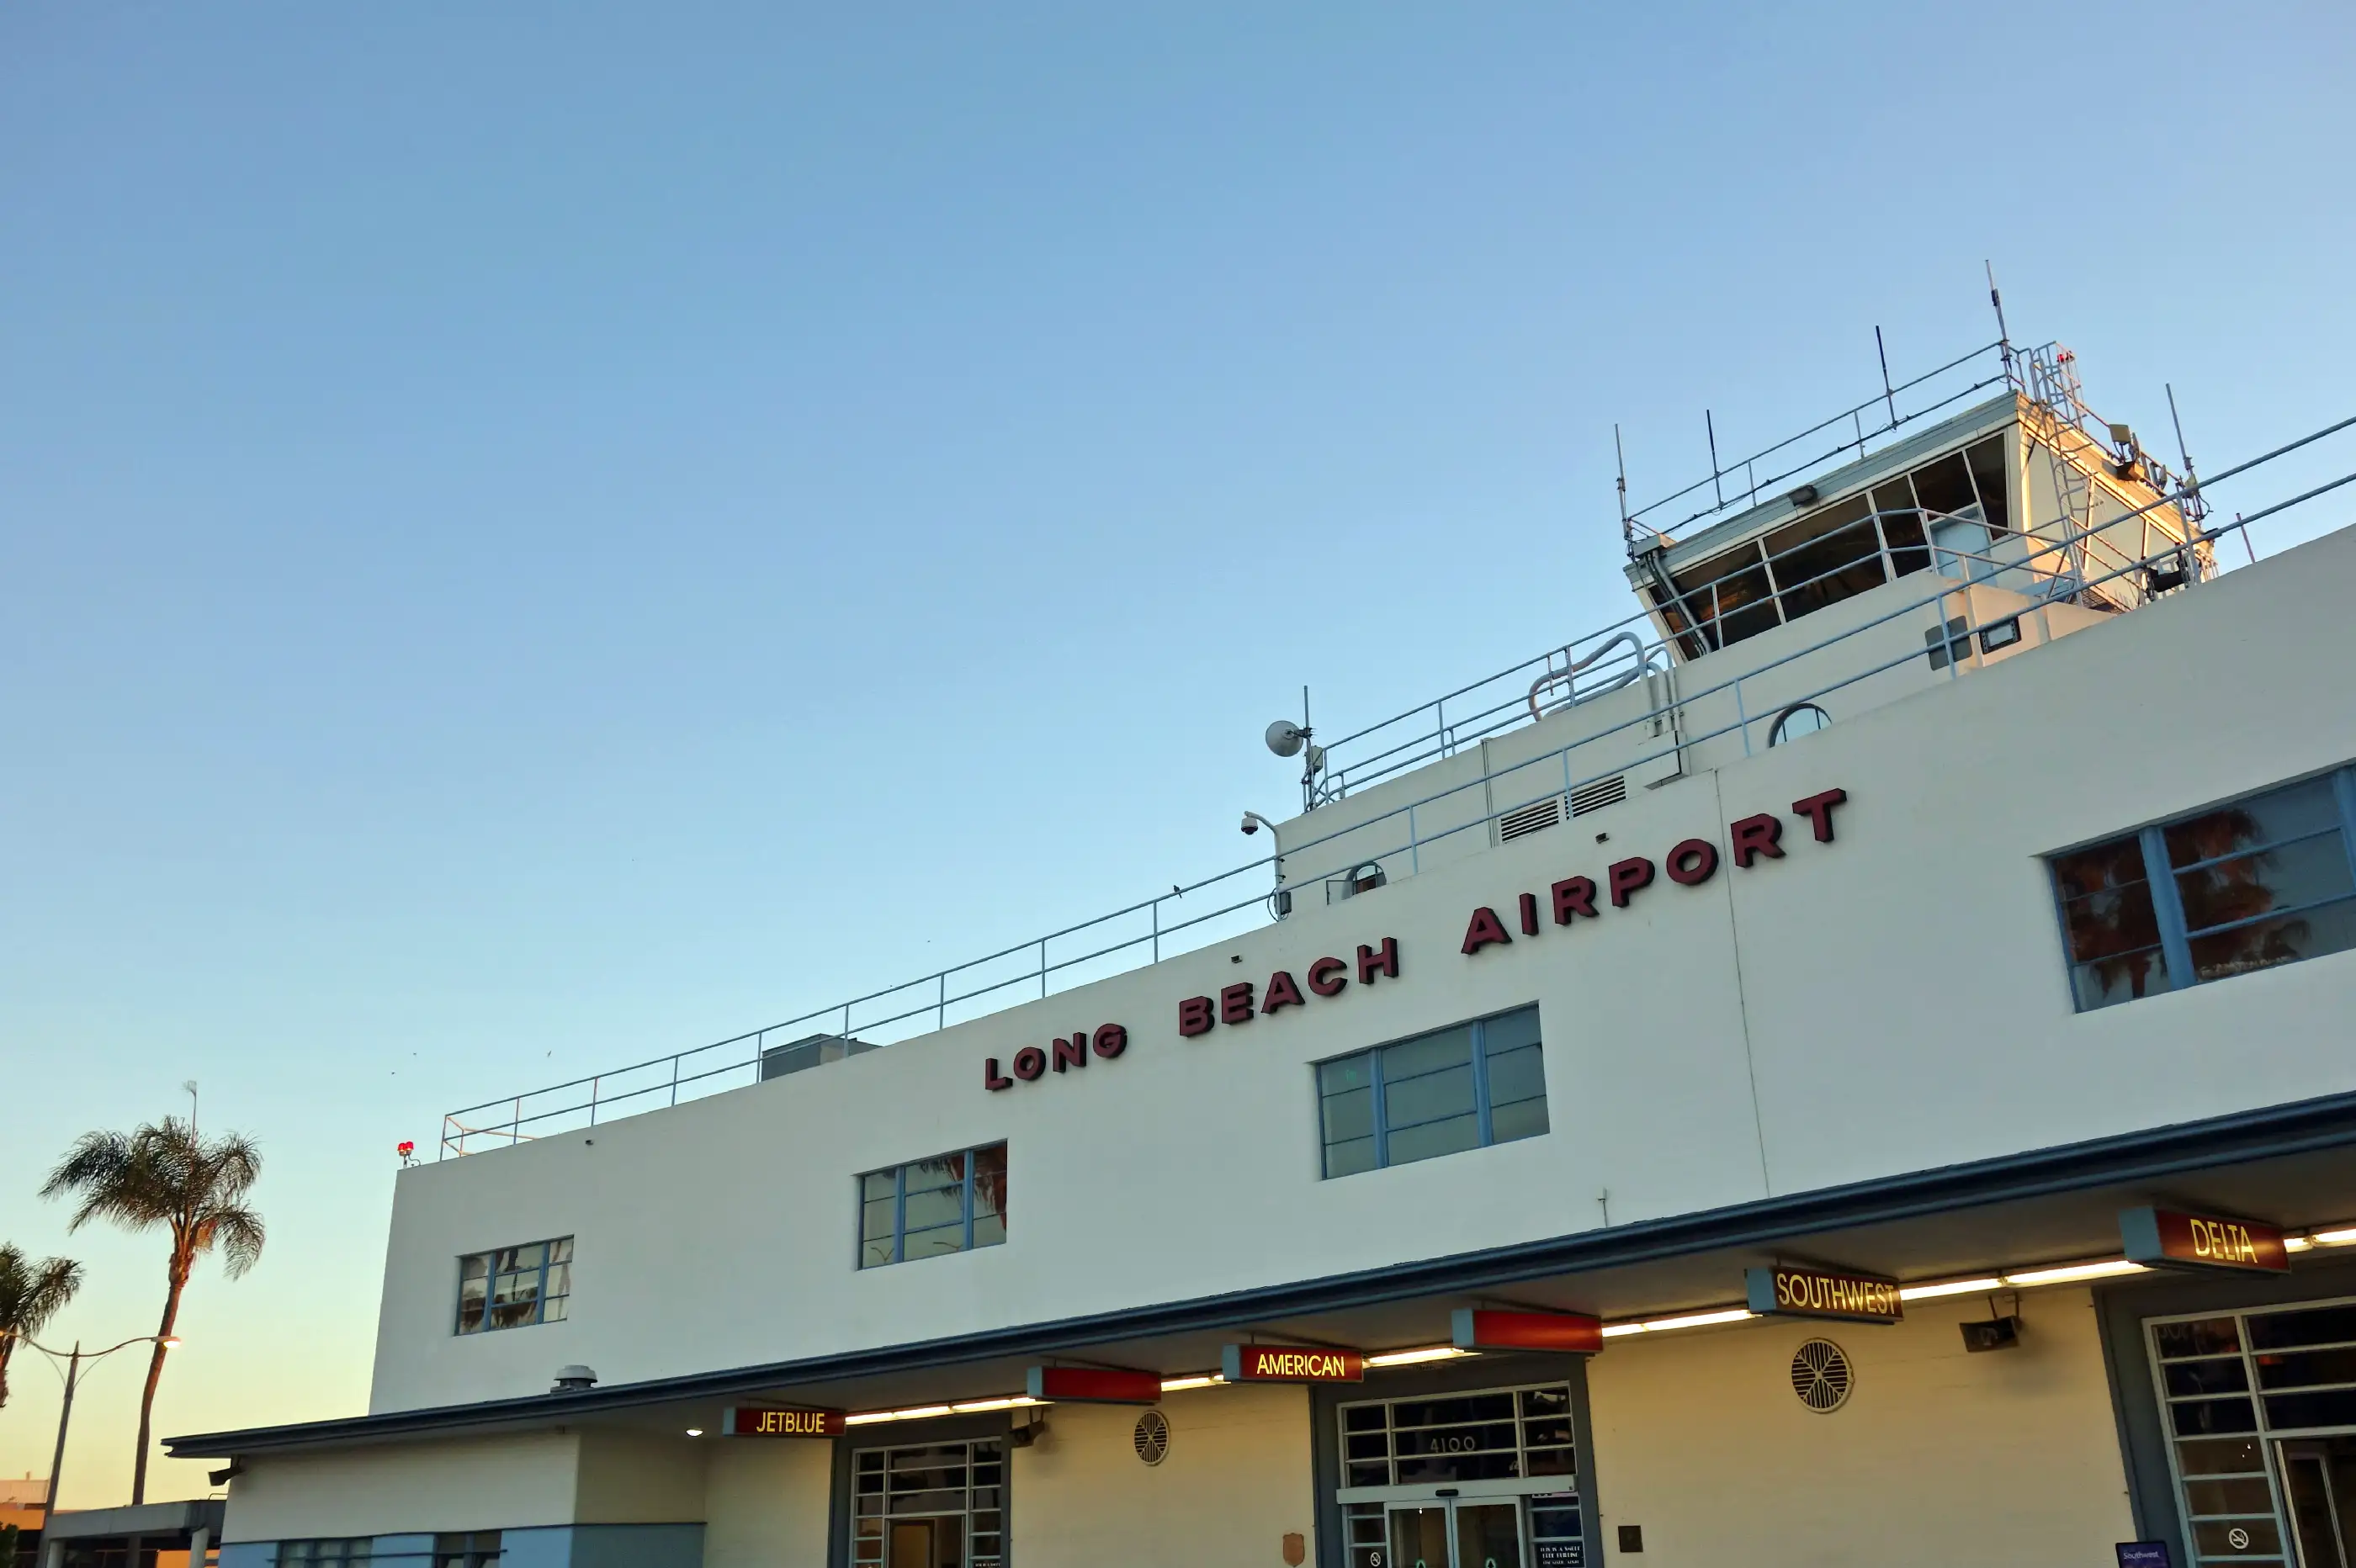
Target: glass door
column 1456, row 1532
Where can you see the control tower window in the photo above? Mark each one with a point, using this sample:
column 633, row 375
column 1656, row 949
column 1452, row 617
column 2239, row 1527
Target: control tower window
column 1800, row 718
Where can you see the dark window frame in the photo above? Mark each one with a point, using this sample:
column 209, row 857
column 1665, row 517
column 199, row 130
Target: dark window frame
column 1483, row 1105
column 2176, row 935
column 899, row 1174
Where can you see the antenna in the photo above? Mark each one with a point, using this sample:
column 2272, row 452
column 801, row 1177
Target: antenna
column 1711, row 426
column 1887, row 396
column 2003, row 333
column 2191, row 479
column 1620, row 456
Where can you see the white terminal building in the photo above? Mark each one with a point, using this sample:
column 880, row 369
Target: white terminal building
column 1850, row 1065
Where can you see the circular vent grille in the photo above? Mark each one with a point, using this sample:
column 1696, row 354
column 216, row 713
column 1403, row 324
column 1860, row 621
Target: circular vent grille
column 1153, row 1437
column 1821, row 1376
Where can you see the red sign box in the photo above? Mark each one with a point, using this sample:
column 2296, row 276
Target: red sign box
column 754, row 1421
column 1568, row 1333
column 2169, row 1238
column 1291, row 1365
column 1095, row 1385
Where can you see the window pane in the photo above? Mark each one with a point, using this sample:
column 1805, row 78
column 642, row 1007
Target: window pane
column 2208, row 1337
column 1349, row 1115
column 1986, row 461
column 924, row 1175
column 2223, row 1375
column 2221, row 1457
column 1510, row 1032
column 2200, row 1417
column 523, row 1257
column 1425, row 1099
column 1350, row 1073
column 2266, row 943
column 560, row 1252
column 1944, row 486
column 875, row 1254
column 2316, row 1326
column 2120, row 980
column 1351, row 1158
column 2289, row 876
column 2267, row 818
column 2302, row 1369
column 1522, row 1119
column 875, row 1220
column 1729, row 595
column 1430, row 1053
column 944, row 1206
column 1832, row 555
column 560, row 1279
column 933, row 1242
column 1517, row 1076
column 2106, row 901
column 990, row 1181
column 2248, row 1494
column 552, row 1310
column 881, row 1184
column 476, row 1267
column 471, row 1295
column 989, row 1230
column 1434, row 1138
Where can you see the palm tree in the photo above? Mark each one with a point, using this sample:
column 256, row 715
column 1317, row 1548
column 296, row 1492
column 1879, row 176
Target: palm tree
column 30, row 1294
column 164, row 1174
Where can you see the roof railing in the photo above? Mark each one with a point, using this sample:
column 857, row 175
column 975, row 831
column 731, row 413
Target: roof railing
column 927, row 1001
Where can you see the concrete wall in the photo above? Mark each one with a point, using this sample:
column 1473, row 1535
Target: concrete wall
column 767, row 1505
column 1238, row 1478
column 1778, row 1028
column 1939, row 1456
column 625, row 1479
column 489, row 1483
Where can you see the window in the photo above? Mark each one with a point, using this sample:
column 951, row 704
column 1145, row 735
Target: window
column 332, row 1554
column 1842, row 549
column 2260, row 881
column 943, row 1503
column 467, row 1549
column 950, row 1203
column 1800, row 718
column 1477, row 1083
column 515, row 1286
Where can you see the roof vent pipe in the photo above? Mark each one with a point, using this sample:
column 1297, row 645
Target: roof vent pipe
column 575, row 1379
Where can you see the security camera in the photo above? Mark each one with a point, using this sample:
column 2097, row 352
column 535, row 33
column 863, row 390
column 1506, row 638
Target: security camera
column 1252, row 821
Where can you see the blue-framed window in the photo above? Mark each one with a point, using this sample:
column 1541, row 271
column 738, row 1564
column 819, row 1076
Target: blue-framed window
column 950, row 1203
column 342, row 1551
column 1466, row 1087
column 515, row 1286
column 2263, row 880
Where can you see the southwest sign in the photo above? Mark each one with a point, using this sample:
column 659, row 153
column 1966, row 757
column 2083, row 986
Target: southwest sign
column 2169, row 1238
column 752, row 1421
column 1782, row 1291
column 1291, row 1365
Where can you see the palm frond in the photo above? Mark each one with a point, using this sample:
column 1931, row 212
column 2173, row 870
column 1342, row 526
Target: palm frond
column 163, row 1173
column 30, row 1293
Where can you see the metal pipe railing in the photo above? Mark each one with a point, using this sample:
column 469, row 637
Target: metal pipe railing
column 739, row 1056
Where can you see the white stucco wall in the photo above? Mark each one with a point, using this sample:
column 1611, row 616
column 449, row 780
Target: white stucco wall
column 485, row 1482
column 1939, row 1458
column 766, row 1505
column 1236, row 1481
column 1893, row 1001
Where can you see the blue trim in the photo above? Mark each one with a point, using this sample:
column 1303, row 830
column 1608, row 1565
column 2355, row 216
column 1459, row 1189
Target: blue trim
column 1379, row 1105
column 2325, row 1123
column 2169, row 907
column 968, row 1157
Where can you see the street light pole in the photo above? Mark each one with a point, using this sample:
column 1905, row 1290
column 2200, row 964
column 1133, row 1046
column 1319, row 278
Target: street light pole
column 73, row 1360
column 65, row 1414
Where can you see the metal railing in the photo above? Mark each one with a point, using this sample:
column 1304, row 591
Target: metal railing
column 927, row 1001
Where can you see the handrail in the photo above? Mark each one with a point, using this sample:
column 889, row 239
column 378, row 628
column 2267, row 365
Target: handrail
column 457, row 1129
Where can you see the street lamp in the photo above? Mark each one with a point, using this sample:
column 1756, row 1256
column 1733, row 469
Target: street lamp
column 74, row 1359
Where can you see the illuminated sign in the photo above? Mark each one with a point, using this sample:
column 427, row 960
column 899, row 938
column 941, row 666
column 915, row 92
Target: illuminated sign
column 1291, row 1365
column 1095, row 1385
column 1783, row 1292
column 2168, row 1238
column 1569, row 1333
column 752, row 1421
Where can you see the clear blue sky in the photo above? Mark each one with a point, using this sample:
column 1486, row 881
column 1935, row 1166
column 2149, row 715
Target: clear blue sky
column 535, row 536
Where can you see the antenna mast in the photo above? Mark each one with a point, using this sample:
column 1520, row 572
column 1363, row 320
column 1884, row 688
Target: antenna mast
column 1620, row 456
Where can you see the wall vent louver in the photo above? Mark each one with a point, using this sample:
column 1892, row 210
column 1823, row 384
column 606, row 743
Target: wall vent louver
column 1599, row 794
column 1821, row 1376
column 1535, row 818
column 1151, row 1438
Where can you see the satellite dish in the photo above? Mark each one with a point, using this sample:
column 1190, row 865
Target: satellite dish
column 1285, row 738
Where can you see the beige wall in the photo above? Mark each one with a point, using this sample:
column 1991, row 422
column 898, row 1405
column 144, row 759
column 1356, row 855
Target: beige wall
column 491, row 1483
column 1238, row 1480
column 1939, row 1456
column 625, row 1479
column 767, row 1505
